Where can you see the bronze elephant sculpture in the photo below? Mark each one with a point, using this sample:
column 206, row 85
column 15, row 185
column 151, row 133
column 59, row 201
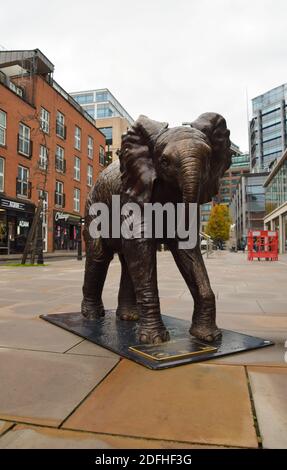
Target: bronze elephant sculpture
column 157, row 164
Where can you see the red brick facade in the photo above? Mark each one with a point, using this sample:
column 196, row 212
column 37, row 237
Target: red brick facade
column 62, row 220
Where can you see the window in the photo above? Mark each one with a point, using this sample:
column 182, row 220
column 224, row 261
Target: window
column 108, row 133
column 76, row 200
column 90, row 175
column 102, row 155
column 101, row 96
column 83, row 99
column 77, row 138
column 1, row 175
column 104, row 110
column 77, row 168
column 24, row 142
column 59, row 194
column 90, row 147
column 45, row 120
column 90, row 110
column 3, row 123
column 60, row 159
column 60, row 125
column 43, row 157
column 22, row 188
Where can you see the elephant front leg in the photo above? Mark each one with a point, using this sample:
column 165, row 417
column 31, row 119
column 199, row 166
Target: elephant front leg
column 140, row 255
column 193, row 270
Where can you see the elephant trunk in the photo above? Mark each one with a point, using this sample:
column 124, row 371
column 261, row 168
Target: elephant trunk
column 190, row 178
column 193, row 163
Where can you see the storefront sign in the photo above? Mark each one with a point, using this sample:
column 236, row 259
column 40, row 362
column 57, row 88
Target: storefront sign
column 61, row 216
column 12, row 204
column 23, row 223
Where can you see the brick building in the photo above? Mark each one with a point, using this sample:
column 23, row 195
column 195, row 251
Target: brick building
column 49, row 144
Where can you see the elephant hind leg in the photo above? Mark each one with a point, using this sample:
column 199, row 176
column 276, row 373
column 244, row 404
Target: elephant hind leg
column 127, row 305
column 96, row 269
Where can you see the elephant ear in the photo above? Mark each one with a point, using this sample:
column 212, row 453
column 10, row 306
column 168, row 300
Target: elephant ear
column 213, row 125
column 136, row 158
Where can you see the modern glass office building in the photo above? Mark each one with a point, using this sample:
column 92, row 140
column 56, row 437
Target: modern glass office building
column 101, row 103
column 240, row 165
column 267, row 128
column 248, row 206
column 276, row 201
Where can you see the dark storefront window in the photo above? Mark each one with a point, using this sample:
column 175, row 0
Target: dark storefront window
column 66, row 232
column 15, row 222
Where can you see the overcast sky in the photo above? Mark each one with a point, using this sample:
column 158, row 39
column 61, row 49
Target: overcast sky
column 168, row 59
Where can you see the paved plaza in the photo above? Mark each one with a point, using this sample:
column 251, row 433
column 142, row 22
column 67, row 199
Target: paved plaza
column 60, row 391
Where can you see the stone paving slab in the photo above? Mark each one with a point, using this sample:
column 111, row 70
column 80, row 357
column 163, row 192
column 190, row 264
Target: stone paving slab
column 273, row 307
column 31, row 437
column 44, row 388
column 271, row 356
column 34, row 334
column 4, row 426
column 269, row 390
column 87, row 348
column 204, row 404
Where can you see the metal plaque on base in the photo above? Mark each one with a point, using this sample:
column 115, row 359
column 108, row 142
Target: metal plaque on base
column 173, row 350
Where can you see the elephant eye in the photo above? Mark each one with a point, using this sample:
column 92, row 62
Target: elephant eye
column 164, row 160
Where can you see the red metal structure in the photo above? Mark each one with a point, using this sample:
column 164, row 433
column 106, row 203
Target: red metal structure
column 262, row 244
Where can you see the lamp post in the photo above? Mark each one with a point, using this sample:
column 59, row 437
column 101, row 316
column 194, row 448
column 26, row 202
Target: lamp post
column 79, row 244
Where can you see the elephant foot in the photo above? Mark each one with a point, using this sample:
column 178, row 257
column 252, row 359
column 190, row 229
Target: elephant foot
column 153, row 335
column 91, row 309
column 127, row 312
column 205, row 333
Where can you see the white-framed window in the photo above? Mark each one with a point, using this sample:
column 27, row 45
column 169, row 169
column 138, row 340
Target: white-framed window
column 102, row 155
column 76, row 200
column 90, row 147
column 59, row 194
column 60, row 159
column 77, row 168
column 24, row 142
column 60, row 125
column 90, row 175
column 23, row 181
column 3, row 126
column 2, row 164
column 77, row 138
column 45, row 120
column 43, row 157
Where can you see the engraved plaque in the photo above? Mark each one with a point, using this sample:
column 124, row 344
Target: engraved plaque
column 173, row 350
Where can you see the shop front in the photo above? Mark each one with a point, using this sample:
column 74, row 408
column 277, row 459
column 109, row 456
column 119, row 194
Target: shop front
column 67, row 230
column 15, row 221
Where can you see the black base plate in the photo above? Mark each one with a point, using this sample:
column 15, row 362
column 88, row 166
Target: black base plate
column 117, row 336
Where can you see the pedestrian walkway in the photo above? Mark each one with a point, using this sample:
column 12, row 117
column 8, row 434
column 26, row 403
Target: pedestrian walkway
column 60, row 391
